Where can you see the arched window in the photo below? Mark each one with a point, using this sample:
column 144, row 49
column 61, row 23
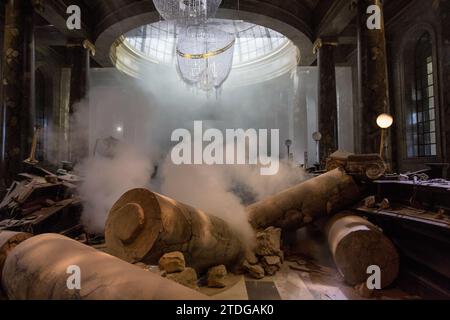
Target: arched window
column 422, row 132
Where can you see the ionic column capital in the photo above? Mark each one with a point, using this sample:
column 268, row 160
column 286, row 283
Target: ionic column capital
column 320, row 42
column 86, row 44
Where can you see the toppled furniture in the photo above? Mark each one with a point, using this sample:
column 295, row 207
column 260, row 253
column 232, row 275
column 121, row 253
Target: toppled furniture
column 300, row 205
column 39, row 202
column 356, row 244
column 37, row 269
column 362, row 166
column 143, row 225
column 418, row 222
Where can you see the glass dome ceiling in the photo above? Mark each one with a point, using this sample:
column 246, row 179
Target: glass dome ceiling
column 157, row 41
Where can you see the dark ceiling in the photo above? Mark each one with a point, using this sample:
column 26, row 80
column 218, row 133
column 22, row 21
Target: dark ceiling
column 298, row 13
column 105, row 20
column 305, row 15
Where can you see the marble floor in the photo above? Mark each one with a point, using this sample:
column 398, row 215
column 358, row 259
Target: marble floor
column 308, row 273
column 289, row 284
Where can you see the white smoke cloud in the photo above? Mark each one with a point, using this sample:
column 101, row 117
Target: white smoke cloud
column 106, row 179
column 221, row 190
column 207, row 188
column 148, row 113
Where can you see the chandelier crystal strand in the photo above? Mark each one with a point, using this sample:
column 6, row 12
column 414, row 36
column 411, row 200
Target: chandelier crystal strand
column 205, row 56
column 187, row 12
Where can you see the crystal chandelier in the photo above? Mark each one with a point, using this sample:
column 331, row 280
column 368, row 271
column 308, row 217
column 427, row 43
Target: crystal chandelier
column 205, row 56
column 187, row 12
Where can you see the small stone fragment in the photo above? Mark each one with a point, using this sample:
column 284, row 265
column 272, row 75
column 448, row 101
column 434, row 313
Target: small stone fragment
column 268, row 242
column 271, row 270
column 187, row 277
column 216, row 277
column 385, row 204
column 251, row 257
column 370, row 202
column 272, row 260
column 271, row 264
column 255, row 271
column 172, row 262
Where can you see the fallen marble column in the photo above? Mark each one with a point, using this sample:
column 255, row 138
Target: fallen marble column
column 356, row 244
column 40, row 268
column 143, row 225
column 313, row 199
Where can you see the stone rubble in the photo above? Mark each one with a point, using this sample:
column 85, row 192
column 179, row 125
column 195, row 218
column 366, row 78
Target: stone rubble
column 251, row 257
column 172, row 262
column 255, row 271
column 370, row 202
column 187, row 277
column 216, row 277
column 173, row 266
column 268, row 242
column 267, row 257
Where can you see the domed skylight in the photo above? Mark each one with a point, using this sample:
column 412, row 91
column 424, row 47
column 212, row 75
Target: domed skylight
column 157, row 41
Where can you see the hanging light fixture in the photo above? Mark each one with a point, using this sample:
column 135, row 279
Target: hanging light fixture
column 205, row 56
column 187, row 12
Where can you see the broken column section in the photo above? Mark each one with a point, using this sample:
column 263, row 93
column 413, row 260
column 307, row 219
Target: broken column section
column 356, row 244
column 143, row 225
column 300, row 205
column 37, row 270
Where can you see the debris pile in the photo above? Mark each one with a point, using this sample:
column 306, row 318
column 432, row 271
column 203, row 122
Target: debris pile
column 267, row 257
column 41, row 202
